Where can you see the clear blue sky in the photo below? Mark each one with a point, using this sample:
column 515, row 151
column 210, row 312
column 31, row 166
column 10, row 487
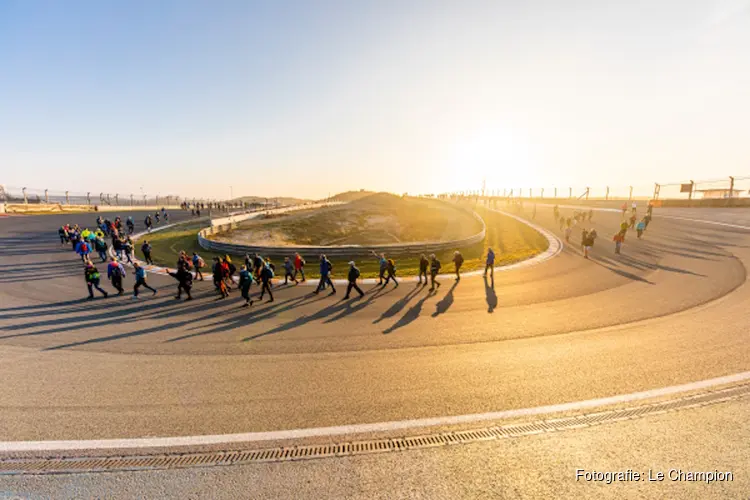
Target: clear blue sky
column 306, row 98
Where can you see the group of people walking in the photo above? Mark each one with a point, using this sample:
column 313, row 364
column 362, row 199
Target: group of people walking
column 588, row 237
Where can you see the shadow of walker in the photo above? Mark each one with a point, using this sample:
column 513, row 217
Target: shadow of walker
column 446, row 302
column 489, row 291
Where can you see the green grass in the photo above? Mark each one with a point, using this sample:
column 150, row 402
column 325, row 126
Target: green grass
column 511, row 240
column 374, row 219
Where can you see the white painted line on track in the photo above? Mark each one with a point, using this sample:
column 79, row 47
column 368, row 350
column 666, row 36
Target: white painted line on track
column 554, row 248
column 249, row 437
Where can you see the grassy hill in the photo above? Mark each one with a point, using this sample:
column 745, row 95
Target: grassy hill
column 371, row 219
column 282, row 200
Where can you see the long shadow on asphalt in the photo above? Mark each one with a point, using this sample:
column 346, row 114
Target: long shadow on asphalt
column 602, row 261
column 643, row 266
column 489, row 291
column 446, row 302
column 399, row 304
column 411, row 315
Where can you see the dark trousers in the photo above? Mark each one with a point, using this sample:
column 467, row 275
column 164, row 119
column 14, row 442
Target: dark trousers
column 326, row 279
column 127, row 255
column 287, row 276
column 491, row 268
column 92, row 285
column 391, row 276
column 103, row 255
column 198, row 273
column 458, row 271
column 301, row 271
column 353, row 284
column 186, row 288
column 246, row 293
column 117, row 283
column 266, row 288
column 147, row 258
column 141, row 283
column 423, row 272
column 382, row 276
column 433, row 274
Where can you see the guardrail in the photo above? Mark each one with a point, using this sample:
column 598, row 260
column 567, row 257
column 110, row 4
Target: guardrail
column 334, row 250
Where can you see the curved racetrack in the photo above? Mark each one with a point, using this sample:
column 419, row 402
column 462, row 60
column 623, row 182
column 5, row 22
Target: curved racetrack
column 671, row 310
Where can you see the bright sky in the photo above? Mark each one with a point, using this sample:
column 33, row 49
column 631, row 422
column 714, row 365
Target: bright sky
column 305, row 98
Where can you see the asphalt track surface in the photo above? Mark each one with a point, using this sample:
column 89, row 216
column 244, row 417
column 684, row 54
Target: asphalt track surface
column 670, row 310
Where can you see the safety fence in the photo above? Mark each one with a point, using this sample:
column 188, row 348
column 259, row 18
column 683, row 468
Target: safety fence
column 331, row 250
column 727, row 191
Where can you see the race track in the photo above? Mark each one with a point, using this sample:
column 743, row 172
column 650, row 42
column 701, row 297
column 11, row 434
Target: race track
column 671, row 310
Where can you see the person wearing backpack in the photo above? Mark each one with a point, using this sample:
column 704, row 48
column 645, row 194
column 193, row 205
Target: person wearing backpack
column 229, row 270
column 115, row 273
column 458, row 260
column 218, row 271
column 91, row 273
column 101, row 248
column 289, row 271
column 148, row 223
column 266, row 274
column 299, row 266
column 390, row 270
column 434, row 270
column 424, row 264
column 198, row 264
column 82, row 249
column 127, row 248
column 140, row 280
column 246, row 279
column 325, row 275
column 352, row 277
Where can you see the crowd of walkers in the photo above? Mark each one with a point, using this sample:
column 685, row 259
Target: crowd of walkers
column 588, row 236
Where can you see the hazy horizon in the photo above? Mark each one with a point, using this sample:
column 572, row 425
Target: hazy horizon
column 309, row 98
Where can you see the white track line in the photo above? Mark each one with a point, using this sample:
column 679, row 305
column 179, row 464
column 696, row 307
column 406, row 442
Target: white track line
column 553, row 250
column 250, row 437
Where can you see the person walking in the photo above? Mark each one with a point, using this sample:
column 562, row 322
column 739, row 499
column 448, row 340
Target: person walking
column 130, row 224
column 618, row 239
column 588, row 243
column 218, row 272
column 115, row 274
column 424, row 264
column 184, row 282
column 352, row 278
column 229, row 270
column 140, row 280
column 624, row 209
column 434, row 270
column 148, row 223
column 101, row 248
column 198, row 264
column 266, row 274
column 640, row 227
column 127, row 249
column 632, row 221
column 246, row 279
column 117, row 246
column 390, row 270
column 63, row 234
column 458, row 260
column 289, row 271
column 299, row 266
column 146, row 250
column 490, row 263
column 325, row 275
column 82, row 249
column 92, row 276
column 584, row 235
column 383, row 263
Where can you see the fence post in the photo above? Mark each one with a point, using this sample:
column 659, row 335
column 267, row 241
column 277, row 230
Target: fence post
column 46, row 196
column 88, row 198
column 131, row 199
column 157, row 200
column 630, row 196
column 542, row 193
column 67, row 197
column 555, row 192
column 144, row 200
column 606, row 197
column 109, row 199
column 25, row 199
column 657, row 188
column 731, row 190
column 117, row 200
column 570, row 193
column 587, row 193
column 101, row 198
column 690, row 194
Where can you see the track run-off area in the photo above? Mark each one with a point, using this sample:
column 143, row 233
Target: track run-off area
column 670, row 311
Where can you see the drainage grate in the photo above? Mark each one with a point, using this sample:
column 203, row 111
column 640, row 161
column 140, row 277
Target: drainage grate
column 306, row 452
